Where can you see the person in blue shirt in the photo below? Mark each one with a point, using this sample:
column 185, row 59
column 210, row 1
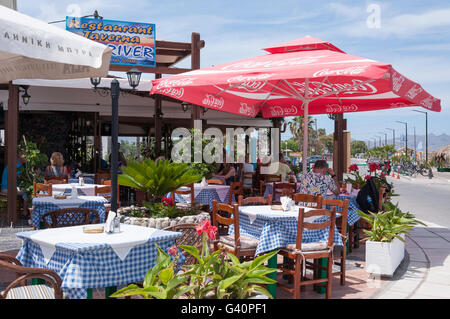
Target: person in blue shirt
column 4, row 185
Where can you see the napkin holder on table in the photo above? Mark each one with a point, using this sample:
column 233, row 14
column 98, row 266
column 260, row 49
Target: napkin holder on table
column 204, row 182
column 109, row 224
column 286, row 203
column 74, row 193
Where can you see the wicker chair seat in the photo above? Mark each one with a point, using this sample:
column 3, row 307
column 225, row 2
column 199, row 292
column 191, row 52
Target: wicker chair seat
column 310, row 247
column 31, row 292
column 247, row 242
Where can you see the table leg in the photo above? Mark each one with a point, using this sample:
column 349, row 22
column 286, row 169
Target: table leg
column 347, row 243
column 89, row 293
column 37, row 281
column 109, row 291
column 321, row 273
column 357, row 234
column 272, row 288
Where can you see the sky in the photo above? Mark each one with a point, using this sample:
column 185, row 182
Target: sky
column 413, row 36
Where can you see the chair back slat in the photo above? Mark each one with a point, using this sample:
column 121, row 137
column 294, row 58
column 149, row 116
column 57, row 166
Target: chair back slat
column 189, row 191
column 255, row 200
column 216, row 181
column 236, row 188
column 301, row 224
column 55, row 180
column 39, row 187
column 342, row 209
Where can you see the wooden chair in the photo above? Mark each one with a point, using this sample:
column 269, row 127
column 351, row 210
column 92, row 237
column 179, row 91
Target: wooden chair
column 55, row 180
column 299, row 252
column 189, row 237
column 106, row 182
column 100, row 176
column 70, row 217
column 243, row 247
column 39, row 187
column 247, row 187
column 189, row 191
column 257, row 200
column 105, row 191
column 18, row 289
column 216, row 181
column 308, row 200
column 236, row 188
column 283, row 189
column 340, row 252
column 267, row 178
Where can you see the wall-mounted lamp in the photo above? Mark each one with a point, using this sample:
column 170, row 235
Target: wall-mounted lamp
column 25, row 97
column 185, row 106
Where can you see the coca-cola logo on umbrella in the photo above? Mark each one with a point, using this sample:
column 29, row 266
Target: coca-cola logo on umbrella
column 172, row 83
column 336, row 108
column 251, row 64
column 278, row 110
column 212, row 101
column 316, row 88
column 348, row 71
column 176, row 93
column 248, row 110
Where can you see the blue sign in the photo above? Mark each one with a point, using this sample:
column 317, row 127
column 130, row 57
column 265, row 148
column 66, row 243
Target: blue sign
column 133, row 43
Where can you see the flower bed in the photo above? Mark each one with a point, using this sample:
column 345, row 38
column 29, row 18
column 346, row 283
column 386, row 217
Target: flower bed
column 129, row 215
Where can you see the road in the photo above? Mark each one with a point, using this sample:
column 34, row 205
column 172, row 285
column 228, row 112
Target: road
column 427, row 200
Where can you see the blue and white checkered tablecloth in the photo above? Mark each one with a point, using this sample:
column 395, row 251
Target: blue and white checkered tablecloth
column 204, row 197
column 42, row 205
column 353, row 206
column 275, row 231
column 83, row 266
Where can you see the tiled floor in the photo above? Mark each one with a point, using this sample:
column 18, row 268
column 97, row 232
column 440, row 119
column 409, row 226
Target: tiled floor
column 358, row 284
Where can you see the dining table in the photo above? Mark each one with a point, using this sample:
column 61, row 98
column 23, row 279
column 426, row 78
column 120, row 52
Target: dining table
column 86, row 261
column 82, row 190
column 205, row 194
column 44, row 204
column 275, row 229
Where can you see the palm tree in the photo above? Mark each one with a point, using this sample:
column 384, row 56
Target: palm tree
column 296, row 128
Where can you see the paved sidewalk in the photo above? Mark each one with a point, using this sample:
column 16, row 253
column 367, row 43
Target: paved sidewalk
column 427, row 275
column 424, row 273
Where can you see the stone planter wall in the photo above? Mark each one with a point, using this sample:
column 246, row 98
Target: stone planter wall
column 160, row 223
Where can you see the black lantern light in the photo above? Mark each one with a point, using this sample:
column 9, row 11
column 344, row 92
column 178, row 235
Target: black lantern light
column 25, row 97
column 95, row 82
column 134, row 76
column 185, row 106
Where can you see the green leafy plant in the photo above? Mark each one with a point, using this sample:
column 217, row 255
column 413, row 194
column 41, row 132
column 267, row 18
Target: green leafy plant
column 31, row 171
column 385, row 226
column 156, row 179
column 216, row 275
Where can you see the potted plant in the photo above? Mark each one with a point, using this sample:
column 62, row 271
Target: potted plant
column 156, row 178
column 355, row 178
column 385, row 244
column 216, row 275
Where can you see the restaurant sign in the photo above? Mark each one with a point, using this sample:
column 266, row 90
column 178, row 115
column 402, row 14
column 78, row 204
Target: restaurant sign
column 133, row 43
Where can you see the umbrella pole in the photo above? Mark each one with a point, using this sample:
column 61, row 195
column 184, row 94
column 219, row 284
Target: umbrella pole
column 115, row 91
column 305, row 135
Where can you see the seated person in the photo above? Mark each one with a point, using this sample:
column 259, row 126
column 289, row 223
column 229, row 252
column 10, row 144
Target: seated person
column 227, row 173
column 56, row 167
column 280, row 168
column 316, row 182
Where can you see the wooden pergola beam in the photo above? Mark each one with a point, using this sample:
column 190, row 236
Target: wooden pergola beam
column 12, row 118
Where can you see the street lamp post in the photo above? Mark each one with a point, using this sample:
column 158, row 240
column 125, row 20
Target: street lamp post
column 134, row 77
column 385, row 137
column 393, row 136
column 426, row 133
column 406, row 127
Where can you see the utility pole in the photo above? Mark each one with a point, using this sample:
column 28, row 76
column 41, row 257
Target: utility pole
column 426, row 133
column 406, row 127
column 393, row 136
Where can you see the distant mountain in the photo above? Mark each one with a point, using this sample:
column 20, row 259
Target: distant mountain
column 435, row 142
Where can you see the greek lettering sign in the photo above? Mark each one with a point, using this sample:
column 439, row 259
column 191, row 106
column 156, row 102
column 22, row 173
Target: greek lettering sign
column 133, row 43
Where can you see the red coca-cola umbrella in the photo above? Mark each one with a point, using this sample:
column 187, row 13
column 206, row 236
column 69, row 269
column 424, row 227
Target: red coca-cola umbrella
column 301, row 77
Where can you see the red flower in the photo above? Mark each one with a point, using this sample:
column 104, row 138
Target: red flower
column 373, row 167
column 367, row 177
column 382, row 175
column 167, row 201
column 172, row 251
column 353, row 168
column 206, row 227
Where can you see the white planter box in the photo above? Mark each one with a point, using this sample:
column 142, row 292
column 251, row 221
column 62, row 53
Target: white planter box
column 383, row 258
